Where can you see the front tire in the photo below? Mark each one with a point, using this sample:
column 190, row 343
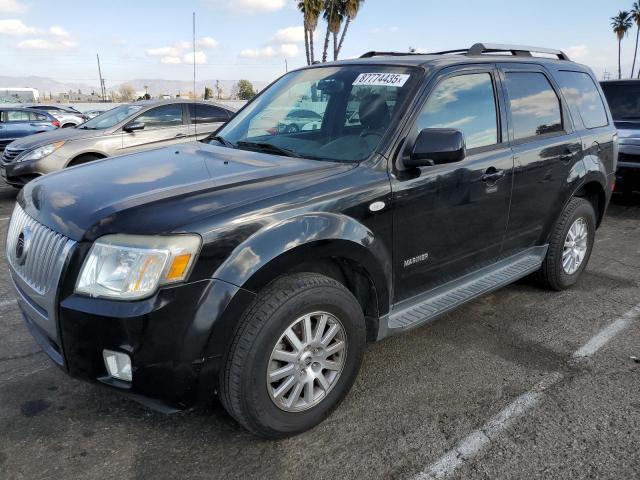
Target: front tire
column 570, row 245
column 294, row 357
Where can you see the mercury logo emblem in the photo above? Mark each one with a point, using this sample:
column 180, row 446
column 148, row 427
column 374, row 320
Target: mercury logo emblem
column 23, row 244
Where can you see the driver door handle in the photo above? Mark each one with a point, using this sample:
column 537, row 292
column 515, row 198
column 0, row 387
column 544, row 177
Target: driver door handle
column 492, row 175
column 180, row 135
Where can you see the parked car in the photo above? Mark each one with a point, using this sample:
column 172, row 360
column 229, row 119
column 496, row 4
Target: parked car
column 94, row 113
column 124, row 129
column 66, row 115
column 19, row 122
column 624, row 101
column 257, row 267
column 298, row 120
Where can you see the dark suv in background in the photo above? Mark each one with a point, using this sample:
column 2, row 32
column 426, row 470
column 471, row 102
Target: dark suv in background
column 257, row 266
column 624, row 102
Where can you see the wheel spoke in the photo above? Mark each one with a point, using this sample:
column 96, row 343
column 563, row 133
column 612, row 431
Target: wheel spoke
column 308, row 335
column 333, row 329
column 285, row 387
column 322, row 323
column 280, row 373
column 335, row 348
column 293, row 339
column 322, row 380
column 295, row 395
column 331, row 365
column 282, row 356
column 308, row 392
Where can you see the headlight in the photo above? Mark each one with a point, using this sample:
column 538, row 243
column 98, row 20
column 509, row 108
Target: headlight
column 133, row 266
column 40, row 152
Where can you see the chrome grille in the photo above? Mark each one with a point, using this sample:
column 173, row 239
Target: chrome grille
column 41, row 253
column 10, row 154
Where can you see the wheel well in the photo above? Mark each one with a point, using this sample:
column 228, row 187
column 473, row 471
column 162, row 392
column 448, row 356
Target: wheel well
column 85, row 157
column 594, row 193
column 355, row 278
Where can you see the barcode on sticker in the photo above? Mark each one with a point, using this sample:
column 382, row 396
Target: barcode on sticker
column 382, row 79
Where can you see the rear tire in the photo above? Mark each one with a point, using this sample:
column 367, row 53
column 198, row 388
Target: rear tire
column 570, row 245
column 261, row 349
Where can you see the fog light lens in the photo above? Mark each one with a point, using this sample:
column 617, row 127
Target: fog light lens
column 118, row 365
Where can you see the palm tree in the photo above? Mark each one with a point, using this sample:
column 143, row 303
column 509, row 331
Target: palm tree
column 635, row 16
column 302, row 6
column 333, row 16
column 311, row 10
column 314, row 9
column 350, row 10
column 621, row 24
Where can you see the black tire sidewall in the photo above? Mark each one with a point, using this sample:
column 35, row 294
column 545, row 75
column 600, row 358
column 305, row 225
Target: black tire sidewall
column 258, row 405
column 584, row 210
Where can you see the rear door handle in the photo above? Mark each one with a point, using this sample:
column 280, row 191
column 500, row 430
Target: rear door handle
column 492, row 175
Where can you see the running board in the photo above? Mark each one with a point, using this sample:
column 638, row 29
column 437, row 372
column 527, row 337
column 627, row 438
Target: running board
column 426, row 307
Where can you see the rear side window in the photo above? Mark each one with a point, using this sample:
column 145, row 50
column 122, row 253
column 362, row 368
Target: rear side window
column 17, row 116
column 207, row 113
column 583, row 98
column 535, row 107
column 466, row 103
column 37, row 116
column 165, row 116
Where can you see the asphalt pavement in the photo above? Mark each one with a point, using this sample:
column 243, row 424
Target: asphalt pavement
column 523, row 383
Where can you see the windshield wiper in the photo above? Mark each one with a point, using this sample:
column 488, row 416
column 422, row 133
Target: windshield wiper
column 223, row 141
column 270, row 148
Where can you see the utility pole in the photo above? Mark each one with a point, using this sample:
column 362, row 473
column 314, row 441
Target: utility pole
column 218, row 89
column 102, row 88
column 286, row 65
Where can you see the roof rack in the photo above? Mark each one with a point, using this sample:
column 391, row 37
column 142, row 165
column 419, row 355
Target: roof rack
column 516, row 50
column 479, row 49
column 374, row 53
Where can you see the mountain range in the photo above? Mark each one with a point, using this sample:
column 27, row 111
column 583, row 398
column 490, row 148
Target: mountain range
column 156, row 86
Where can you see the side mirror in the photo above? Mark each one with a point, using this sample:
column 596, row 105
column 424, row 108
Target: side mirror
column 134, row 126
column 435, row 146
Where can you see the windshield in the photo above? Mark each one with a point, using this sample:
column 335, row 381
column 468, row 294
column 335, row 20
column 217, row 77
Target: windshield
column 623, row 99
column 329, row 113
column 111, row 118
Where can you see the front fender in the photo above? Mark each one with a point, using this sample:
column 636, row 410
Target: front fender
column 278, row 248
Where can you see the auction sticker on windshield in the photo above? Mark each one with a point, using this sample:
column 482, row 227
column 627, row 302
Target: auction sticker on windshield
column 382, row 79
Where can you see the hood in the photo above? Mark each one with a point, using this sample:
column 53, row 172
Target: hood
column 45, row 138
column 161, row 190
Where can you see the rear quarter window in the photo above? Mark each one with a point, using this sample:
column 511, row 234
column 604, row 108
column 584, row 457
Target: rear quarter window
column 583, row 97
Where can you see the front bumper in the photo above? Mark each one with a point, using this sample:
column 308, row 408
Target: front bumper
column 166, row 337
column 18, row 174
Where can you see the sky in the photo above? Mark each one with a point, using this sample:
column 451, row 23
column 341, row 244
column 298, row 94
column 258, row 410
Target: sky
column 252, row 38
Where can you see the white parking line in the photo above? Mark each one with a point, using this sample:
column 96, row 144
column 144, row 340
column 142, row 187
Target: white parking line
column 4, row 218
column 606, row 334
column 473, row 444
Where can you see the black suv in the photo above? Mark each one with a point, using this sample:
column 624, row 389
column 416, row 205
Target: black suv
column 624, row 102
column 256, row 266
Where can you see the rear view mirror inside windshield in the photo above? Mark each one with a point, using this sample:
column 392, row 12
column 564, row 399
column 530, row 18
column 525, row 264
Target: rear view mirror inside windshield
column 331, row 85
